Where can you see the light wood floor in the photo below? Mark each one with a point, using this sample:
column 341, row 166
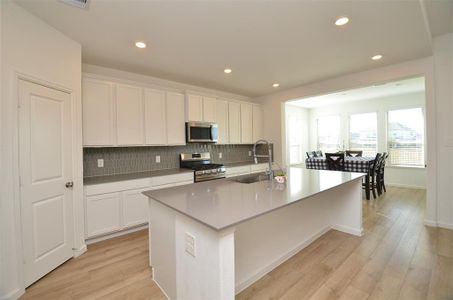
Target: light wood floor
column 397, row 258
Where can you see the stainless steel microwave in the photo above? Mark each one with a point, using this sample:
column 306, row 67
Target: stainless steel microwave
column 202, row 132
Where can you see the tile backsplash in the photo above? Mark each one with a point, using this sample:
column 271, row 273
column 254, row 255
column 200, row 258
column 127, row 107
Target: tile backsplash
column 122, row 160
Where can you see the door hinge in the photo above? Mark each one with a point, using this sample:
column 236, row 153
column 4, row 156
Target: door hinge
column 20, row 181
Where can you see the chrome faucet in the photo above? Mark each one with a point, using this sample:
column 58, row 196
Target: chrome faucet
column 270, row 173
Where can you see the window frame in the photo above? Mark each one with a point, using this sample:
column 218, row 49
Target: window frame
column 289, row 145
column 387, row 146
column 339, row 130
column 377, row 126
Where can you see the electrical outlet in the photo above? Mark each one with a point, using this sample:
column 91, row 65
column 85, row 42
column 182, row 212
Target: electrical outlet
column 158, row 159
column 220, row 155
column 100, row 163
column 190, row 244
column 250, row 153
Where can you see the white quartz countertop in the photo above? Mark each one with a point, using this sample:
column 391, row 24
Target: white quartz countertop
column 223, row 203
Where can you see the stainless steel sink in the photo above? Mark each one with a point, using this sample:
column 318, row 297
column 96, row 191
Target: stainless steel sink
column 250, row 178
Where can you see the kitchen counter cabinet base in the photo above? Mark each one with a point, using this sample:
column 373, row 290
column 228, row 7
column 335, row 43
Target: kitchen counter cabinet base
column 229, row 260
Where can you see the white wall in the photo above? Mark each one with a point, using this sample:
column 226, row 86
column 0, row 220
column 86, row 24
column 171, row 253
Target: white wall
column 302, row 114
column 443, row 76
column 274, row 127
column 398, row 176
column 32, row 49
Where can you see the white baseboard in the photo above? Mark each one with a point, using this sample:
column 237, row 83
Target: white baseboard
column 445, row 225
column 13, row 295
column 407, row 186
column 115, row 234
column 79, row 251
column 430, row 223
column 266, row 269
column 349, row 230
column 161, row 289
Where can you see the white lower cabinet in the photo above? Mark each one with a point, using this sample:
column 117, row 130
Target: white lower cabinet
column 135, row 208
column 103, row 214
column 116, row 206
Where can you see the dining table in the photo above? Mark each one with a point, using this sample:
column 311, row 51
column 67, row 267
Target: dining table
column 357, row 164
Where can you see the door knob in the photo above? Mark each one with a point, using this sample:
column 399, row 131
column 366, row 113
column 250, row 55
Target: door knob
column 69, row 184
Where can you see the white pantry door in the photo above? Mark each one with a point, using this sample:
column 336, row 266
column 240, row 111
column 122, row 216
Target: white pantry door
column 45, row 142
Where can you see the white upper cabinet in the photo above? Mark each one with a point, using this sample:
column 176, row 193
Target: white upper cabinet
column 221, row 118
column 209, row 111
column 97, row 105
column 194, row 108
column 129, row 115
column 176, row 134
column 234, row 122
column 155, row 117
column 257, row 122
column 246, row 123
column 117, row 114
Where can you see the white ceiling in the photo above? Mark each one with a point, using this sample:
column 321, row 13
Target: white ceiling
column 399, row 87
column 289, row 42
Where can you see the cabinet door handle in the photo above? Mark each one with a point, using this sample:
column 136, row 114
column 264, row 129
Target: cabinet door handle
column 69, row 184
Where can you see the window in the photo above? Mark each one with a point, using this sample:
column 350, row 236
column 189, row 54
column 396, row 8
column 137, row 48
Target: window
column 295, row 139
column 363, row 133
column 329, row 133
column 406, row 137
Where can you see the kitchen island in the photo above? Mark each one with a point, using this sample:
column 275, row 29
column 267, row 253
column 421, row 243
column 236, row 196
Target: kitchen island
column 213, row 239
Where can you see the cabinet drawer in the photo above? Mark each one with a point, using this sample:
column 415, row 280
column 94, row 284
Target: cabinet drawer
column 103, row 214
column 169, row 179
column 111, row 187
column 236, row 171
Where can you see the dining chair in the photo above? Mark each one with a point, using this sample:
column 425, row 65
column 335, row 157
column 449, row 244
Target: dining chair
column 317, row 153
column 335, row 161
column 381, row 172
column 371, row 181
column 354, row 153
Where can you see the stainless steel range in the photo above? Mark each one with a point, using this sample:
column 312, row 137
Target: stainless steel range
column 203, row 168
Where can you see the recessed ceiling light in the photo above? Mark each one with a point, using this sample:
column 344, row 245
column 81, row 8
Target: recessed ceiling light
column 342, row 21
column 376, row 57
column 227, row 71
column 275, row 85
column 140, row 45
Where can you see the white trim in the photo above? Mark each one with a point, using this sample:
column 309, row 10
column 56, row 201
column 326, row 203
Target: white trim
column 445, row 225
column 405, row 167
column 348, row 230
column 266, row 269
column 161, row 289
column 13, row 295
column 79, row 251
column 430, row 223
column 115, row 234
column 408, row 186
